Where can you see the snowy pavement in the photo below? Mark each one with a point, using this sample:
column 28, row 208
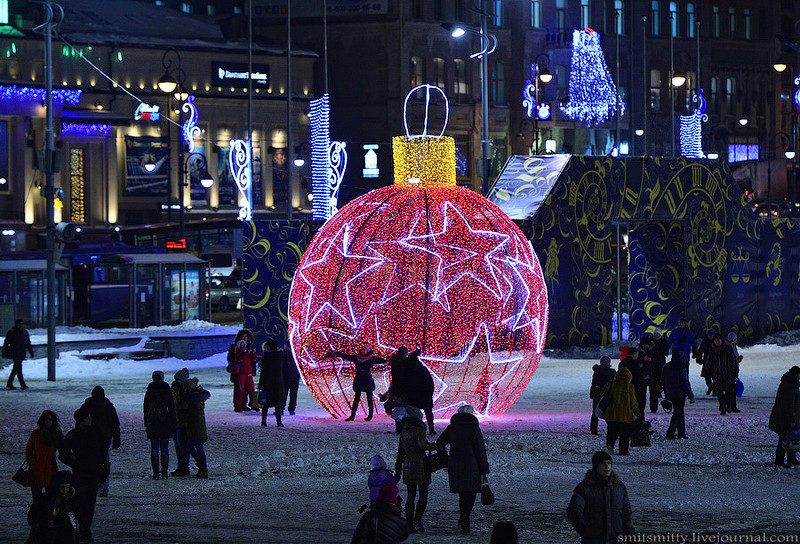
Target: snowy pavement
column 303, row 483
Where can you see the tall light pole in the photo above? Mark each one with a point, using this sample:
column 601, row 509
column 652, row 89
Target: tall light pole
column 646, row 87
column 671, row 85
column 488, row 46
column 172, row 81
column 289, row 189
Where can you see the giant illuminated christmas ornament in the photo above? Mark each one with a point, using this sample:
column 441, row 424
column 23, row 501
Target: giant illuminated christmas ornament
column 592, row 93
column 421, row 263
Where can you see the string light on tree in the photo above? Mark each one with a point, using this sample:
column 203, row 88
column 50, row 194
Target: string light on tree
column 423, row 263
column 592, row 93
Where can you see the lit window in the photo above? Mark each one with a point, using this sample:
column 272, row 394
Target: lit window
column 619, row 7
column 497, row 12
column 732, row 21
column 237, row 10
column 673, row 19
column 417, row 74
column 460, row 87
column 730, row 89
column 536, row 13
column 655, row 89
column 186, row 7
column 715, row 21
column 212, row 10
column 159, row 2
column 586, row 14
column 690, row 20
column 714, row 92
column 561, row 16
column 498, row 84
column 655, row 17
column 439, row 74
column 4, row 12
column 747, row 25
column 77, row 182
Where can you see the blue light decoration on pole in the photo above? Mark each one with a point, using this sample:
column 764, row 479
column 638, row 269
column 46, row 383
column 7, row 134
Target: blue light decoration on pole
column 592, row 93
column 691, row 137
column 190, row 130
column 328, row 161
column 530, row 97
column 240, row 166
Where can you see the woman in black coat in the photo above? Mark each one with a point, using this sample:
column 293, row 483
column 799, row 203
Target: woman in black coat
column 363, row 382
column 159, row 421
column 420, row 387
column 467, row 465
column 271, row 383
column 786, row 414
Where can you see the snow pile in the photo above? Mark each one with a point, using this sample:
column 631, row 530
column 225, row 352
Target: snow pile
column 80, row 332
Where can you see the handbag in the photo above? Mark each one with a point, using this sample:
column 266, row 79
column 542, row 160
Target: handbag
column 23, row 475
column 436, row 461
column 262, row 397
column 487, row 495
column 739, row 388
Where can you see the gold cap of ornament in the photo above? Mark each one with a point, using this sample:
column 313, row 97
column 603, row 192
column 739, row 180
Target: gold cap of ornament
column 424, row 161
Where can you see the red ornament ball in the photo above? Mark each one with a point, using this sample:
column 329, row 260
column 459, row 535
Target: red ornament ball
column 438, row 267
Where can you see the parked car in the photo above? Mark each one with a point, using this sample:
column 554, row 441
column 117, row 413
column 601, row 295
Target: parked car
column 224, row 293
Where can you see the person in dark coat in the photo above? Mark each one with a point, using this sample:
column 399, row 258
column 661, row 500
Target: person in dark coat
column 16, row 344
column 241, row 364
column 786, row 414
column 410, row 463
column 730, row 340
column 104, row 417
column 467, row 465
column 622, row 411
column 652, row 362
column 291, row 379
column 724, row 370
column 271, row 382
column 600, row 510
column 382, row 523
column 682, row 343
column 363, row 382
column 181, row 438
column 702, row 358
column 602, row 374
column 379, row 475
column 85, row 451
column 395, row 396
column 661, row 343
column 419, row 387
column 504, row 532
column 196, row 398
column 676, row 390
column 633, row 360
column 52, row 519
column 159, row 422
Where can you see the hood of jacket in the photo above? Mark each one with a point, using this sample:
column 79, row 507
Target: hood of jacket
column 594, row 479
column 623, row 374
column 415, row 421
column 464, row 419
column 377, row 463
column 790, row 378
column 155, row 386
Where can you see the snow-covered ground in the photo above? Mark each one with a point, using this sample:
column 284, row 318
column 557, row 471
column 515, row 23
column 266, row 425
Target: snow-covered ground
column 304, row 483
column 79, row 332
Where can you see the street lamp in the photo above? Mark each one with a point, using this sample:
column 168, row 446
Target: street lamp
column 202, row 170
column 779, row 66
column 743, row 121
column 169, row 83
column 678, row 80
column 488, row 45
column 166, row 83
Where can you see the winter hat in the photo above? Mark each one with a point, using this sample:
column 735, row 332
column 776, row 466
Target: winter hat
column 398, row 413
column 377, row 462
column 599, row 457
column 711, row 332
column 411, row 411
column 657, row 331
column 731, row 336
column 98, row 392
column 605, row 360
column 191, row 384
column 182, row 375
column 795, row 370
column 388, row 493
column 466, row 409
column 81, row 414
column 158, row 376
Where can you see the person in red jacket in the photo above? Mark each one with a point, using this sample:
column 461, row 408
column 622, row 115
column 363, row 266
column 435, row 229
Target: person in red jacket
column 241, row 361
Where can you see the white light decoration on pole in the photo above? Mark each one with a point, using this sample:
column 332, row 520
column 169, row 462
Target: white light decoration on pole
column 190, row 129
column 319, row 117
column 691, row 134
column 239, row 165
column 337, row 164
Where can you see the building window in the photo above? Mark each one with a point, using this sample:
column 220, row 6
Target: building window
column 714, row 93
column 536, row 13
column 159, row 2
column 4, row 12
column 690, row 20
column 417, row 72
column 77, row 182
column 211, row 9
column 459, row 10
column 730, row 89
column 743, row 152
column 439, row 75
column 460, row 86
column 619, row 9
column 732, row 22
column 655, row 17
column 237, row 10
column 655, row 89
column 437, row 10
column 562, row 80
column 416, row 9
column 715, row 21
column 673, row 19
column 186, row 7
column 4, row 181
column 748, row 31
column 497, row 12
column 561, row 17
column 586, row 11
column 498, row 84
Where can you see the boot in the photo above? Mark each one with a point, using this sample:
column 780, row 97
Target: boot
column 463, row 527
column 780, row 455
column 164, row 467
column 154, row 464
column 202, row 473
column 418, row 527
column 278, row 419
column 792, row 459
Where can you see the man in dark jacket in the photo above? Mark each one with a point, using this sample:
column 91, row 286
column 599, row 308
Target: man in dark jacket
column 702, row 354
column 676, row 389
column 724, row 371
column 633, row 360
column 85, row 451
column 16, row 344
column 467, row 465
column 651, row 369
column 420, row 387
column 786, row 414
column 271, row 382
column 159, row 422
column 291, row 379
column 600, row 510
column 602, row 374
column 181, row 438
column 382, row 523
column 105, row 419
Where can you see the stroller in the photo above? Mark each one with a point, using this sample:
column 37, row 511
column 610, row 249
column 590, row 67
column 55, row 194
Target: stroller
column 640, row 436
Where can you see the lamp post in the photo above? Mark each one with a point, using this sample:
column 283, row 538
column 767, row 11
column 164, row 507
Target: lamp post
column 488, row 45
column 172, row 82
column 202, row 170
column 539, row 73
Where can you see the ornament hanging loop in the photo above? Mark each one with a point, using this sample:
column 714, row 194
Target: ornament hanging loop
column 427, row 107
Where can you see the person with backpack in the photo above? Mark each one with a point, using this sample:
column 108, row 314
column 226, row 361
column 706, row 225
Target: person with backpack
column 676, row 390
column 785, row 416
column 241, row 361
column 410, row 463
column 104, row 417
column 621, row 411
column 600, row 510
column 633, row 360
column 181, row 438
column 382, row 523
column 196, row 398
column 601, row 375
column 159, row 422
column 16, row 344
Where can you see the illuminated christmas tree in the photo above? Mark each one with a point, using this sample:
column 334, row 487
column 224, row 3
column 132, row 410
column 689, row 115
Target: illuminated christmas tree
column 592, row 93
